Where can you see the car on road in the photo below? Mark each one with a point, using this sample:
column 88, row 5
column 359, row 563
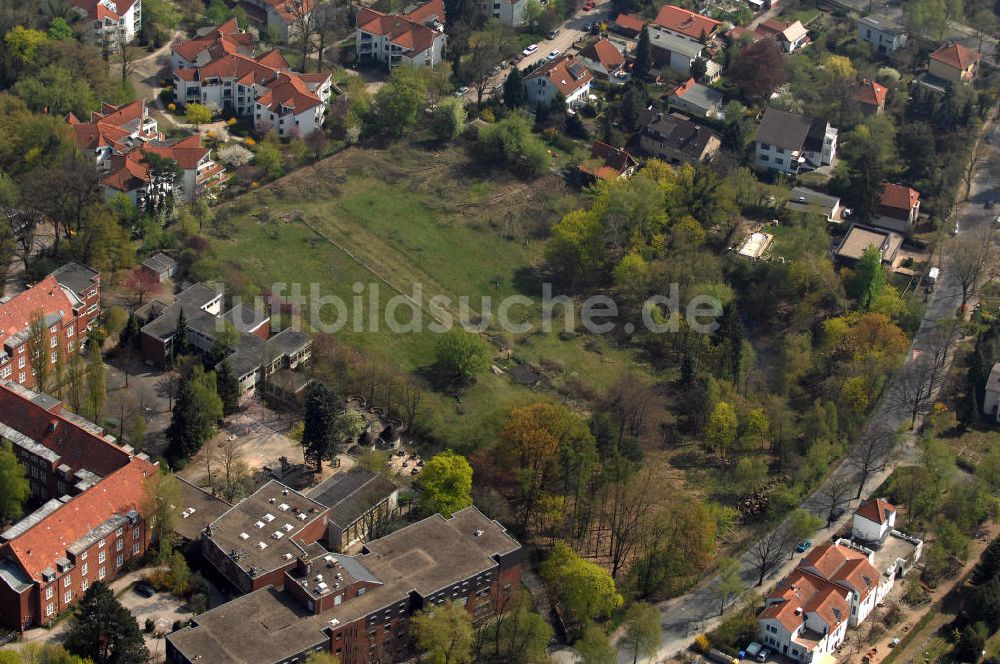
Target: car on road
column 144, row 589
column 803, row 546
column 754, row 648
column 763, row 655
column 552, row 34
column 495, row 70
column 954, row 231
column 461, row 91
column 530, row 49
column 554, row 54
column 836, row 513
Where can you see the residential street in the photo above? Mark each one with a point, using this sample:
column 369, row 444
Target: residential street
column 696, row 612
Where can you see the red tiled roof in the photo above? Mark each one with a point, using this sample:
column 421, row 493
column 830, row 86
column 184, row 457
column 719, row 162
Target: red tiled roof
column 630, row 22
column 614, row 157
column 128, row 173
column 46, row 541
column 105, row 128
column 97, row 10
column 77, row 448
column 187, row 152
column 227, row 35
column 811, row 594
column 401, row 30
column 877, row 510
column 282, row 8
column 273, row 58
column 427, row 11
column 558, row 73
column 288, row 92
column 46, row 296
column 956, row 55
column 685, row 22
column 870, row 93
column 606, row 53
column 842, row 563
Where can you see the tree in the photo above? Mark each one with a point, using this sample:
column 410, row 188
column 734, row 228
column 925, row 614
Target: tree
column 302, row 26
column 97, row 390
column 59, row 29
column 869, row 277
column 22, row 45
column 864, row 185
column 76, row 376
column 974, row 262
column 642, row 630
column 14, row 486
column 767, row 552
column 446, row 484
column 514, row 92
column 444, row 633
column 449, row 119
column 758, row 69
column 484, row 49
column 730, row 582
column 400, row 100
column 196, row 413
column 989, row 563
column 803, row 524
column 57, row 90
column 835, row 492
column 268, row 159
column 721, row 429
column 104, row 630
column 917, row 384
column 584, row 589
column 160, row 495
column 518, row 634
column 870, row 453
column 460, row 355
column 180, row 338
column 643, row 55
column 38, row 349
column 319, row 438
column 698, row 69
column 594, row 647
column 228, row 387
column 197, row 114
column 511, row 141
column 141, row 282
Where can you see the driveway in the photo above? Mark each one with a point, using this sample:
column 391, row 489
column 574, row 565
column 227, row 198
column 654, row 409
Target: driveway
column 697, row 611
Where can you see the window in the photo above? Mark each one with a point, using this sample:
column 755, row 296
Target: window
column 100, row 543
column 68, row 597
column 779, row 161
column 119, row 545
column 118, row 533
column 49, row 610
column 120, row 560
column 20, row 349
column 135, row 533
column 101, row 558
column 67, row 580
column 21, row 361
column 53, row 341
column 84, row 585
column 765, row 146
column 780, row 150
column 52, row 357
column 69, row 331
column 83, row 556
column 21, row 377
column 135, row 549
column 772, row 629
column 83, row 570
column 100, row 574
column 48, row 592
column 764, row 157
column 361, row 591
column 6, row 371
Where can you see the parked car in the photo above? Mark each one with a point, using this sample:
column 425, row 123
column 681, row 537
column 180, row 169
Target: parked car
column 143, row 588
column 954, row 231
column 836, row 513
column 553, row 54
column 754, row 648
column 552, row 34
column 461, row 91
column 495, row 70
column 803, row 546
column 763, row 655
column 530, row 49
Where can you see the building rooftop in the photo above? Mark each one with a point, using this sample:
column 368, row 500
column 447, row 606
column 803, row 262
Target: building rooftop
column 245, row 318
column 202, row 508
column 350, row 495
column 859, row 238
column 262, row 528
column 883, row 23
column 784, row 129
column 668, row 41
column 77, row 277
column 993, row 382
column 678, row 132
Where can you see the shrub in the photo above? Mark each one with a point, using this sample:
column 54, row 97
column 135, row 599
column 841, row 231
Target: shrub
column 171, row 106
column 701, row 643
column 149, row 625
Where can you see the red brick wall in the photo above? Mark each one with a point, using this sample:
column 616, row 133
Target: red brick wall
column 153, row 350
column 15, row 609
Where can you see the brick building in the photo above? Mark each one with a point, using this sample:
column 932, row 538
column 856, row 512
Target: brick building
column 69, row 301
column 88, row 494
column 357, row 607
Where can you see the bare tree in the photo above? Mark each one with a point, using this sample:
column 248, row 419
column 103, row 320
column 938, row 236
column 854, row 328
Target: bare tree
column 211, row 457
column 871, row 452
column 233, row 466
column 23, row 224
column 127, row 61
column 331, row 22
column 918, row 383
column 487, row 47
column 973, row 262
column 303, row 25
column 167, row 386
column 412, row 396
column 835, row 492
column 38, row 349
column 631, row 500
column 767, row 552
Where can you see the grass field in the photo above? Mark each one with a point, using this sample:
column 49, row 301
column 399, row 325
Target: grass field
column 410, row 216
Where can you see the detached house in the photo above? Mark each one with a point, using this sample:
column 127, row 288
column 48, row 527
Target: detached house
column 869, row 97
column 564, row 76
column 884, row 34
column 628, row 25
column 219, row 70
column 697, row 99
column 676, row 140
column 952, row 64
column 608, row 163
column 899, row 208
column 678, row 52
column 282, row 16
column 414, row 39
column 508, row 12
column 686, row 24
column 789, row 36
column 793, row 143
column 113, row 22
column 603, row 58
column 114, row 130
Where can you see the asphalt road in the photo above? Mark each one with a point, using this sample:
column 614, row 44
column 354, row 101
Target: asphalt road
column 696, row 612
column 569, row 33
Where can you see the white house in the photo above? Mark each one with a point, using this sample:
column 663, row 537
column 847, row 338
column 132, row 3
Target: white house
column 687, row 24
column 602, row 57
column 792, row 143
column 565, row 76
column 884, row 34
column 416, row 39
column 508, row 12
column 991, row 402
column 113, row 22
column 673, row 50
column 113, row 130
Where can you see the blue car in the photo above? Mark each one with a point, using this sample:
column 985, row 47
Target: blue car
column 803, row 546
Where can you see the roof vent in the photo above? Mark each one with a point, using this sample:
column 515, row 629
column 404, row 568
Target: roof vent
column 53, row 425
column 287, row 556
column 479, row 533
column 272, row 500
column 244, row 536
column 261, row 545
column 798, row 611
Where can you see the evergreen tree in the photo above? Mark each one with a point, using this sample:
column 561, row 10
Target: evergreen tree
column 97, row 390
column 132, row 333
column 514, row 91
column 319, row 433
column 197, row 410
column 181, row 346
column 864, row 178
column 229, row 389
column 104, row 630
column 989, row 564
column 643, row 55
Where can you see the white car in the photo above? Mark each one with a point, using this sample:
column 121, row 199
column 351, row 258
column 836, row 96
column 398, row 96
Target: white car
column 531, row 49
column 554, row 54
